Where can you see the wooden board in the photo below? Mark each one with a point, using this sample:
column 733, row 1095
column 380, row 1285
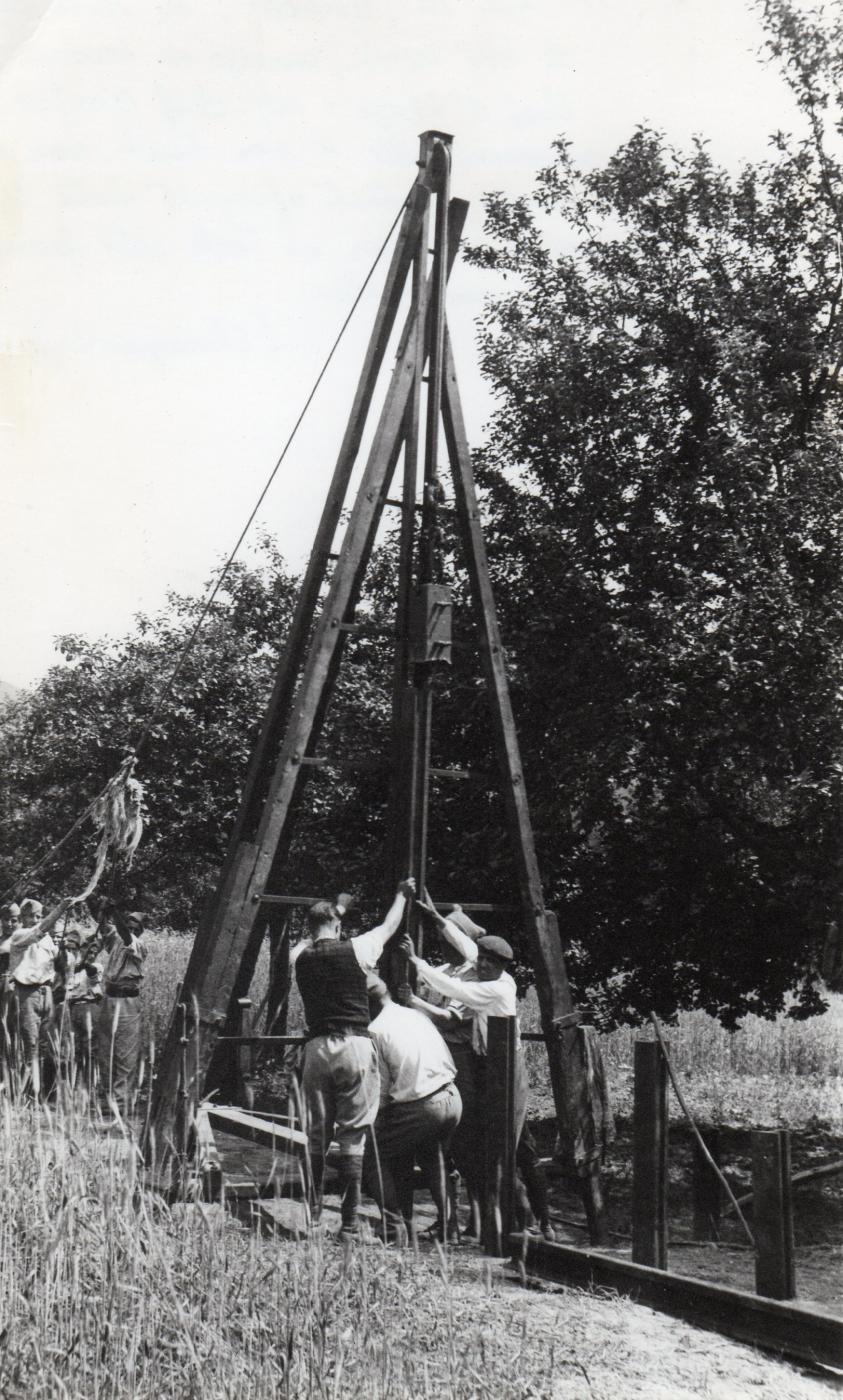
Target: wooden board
column 280, row 1137
column 788, row 1328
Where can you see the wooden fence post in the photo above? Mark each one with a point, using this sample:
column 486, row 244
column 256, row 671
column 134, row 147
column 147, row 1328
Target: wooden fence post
column 649, row 1159
column 775, row 1274
column 499, row 1195
column 706, row 1190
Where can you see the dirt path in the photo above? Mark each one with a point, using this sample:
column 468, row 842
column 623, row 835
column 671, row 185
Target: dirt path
column 600, row 1345
column 569, row 1344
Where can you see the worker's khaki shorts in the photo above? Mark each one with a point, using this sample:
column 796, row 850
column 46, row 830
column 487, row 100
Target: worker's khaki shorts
column 341, row 1091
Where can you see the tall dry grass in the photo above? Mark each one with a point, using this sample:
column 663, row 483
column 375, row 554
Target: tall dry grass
column 777, row 1072
column 107, row 1292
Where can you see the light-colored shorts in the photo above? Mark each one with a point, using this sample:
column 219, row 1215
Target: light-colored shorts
column 341, row 1091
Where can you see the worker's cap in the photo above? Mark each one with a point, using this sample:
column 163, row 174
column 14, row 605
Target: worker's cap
column 135, row 918
column 9, row 911
column 459, row 917
column 495, row 947
column 32, row 906
column 322, row 912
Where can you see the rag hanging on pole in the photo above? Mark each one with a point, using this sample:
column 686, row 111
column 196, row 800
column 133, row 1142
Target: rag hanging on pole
column 118, row 816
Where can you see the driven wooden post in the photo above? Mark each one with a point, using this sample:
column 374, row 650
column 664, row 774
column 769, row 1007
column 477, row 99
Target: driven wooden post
column 500, row 1126
column 649, row 1160
column 772, row 1214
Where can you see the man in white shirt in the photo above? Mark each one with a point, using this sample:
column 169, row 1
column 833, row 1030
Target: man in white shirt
column 420, row 1108
column 340, row 1084
column 493, row 994
column 32, row 955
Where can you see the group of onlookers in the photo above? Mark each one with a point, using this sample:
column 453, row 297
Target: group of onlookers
column 69, row 1000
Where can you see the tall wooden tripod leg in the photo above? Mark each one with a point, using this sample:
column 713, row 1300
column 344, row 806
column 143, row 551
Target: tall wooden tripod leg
column 554, row 992
column 228, row 930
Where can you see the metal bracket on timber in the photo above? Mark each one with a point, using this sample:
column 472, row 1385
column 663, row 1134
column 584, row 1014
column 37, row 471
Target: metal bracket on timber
column 420, row 401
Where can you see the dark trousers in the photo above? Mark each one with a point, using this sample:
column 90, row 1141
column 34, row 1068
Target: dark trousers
column 531, row 1179
column 405, row 1134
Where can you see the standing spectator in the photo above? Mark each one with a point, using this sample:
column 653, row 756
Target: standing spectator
column 78, row 999
column 420, row 1107
column 9, row 924
column 32, row 965
column 340, row 1083
column 119, row 1033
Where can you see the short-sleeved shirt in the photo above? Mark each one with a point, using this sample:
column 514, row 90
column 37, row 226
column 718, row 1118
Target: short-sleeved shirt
column 33, row 964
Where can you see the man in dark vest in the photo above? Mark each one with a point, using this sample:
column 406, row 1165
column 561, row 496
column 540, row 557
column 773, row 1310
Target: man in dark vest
column 340, row 1081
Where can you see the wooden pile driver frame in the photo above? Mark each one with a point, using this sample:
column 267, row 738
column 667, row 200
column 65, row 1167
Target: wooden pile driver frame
column 228, row 941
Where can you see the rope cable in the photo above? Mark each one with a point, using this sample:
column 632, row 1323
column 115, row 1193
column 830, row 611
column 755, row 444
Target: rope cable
column 166, row 690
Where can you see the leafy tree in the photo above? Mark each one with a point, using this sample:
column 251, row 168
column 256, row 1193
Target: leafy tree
column 59, row 745
column 663, row 484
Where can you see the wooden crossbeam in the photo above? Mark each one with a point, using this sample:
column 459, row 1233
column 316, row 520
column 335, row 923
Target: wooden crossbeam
column 791, row 1329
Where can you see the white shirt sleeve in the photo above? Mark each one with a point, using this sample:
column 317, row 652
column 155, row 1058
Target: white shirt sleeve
column 496, row 998
column 297, row 949
column 465, row 946
column 368, row 947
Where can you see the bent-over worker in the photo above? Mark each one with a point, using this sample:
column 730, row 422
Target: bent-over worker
column 340, row 1082
column 420, row 1108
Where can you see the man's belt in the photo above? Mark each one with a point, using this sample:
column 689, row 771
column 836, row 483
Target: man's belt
column 114, row 989
column 342, row 1029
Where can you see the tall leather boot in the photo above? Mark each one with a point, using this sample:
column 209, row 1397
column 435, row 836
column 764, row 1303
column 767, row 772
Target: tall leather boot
column 351, row 1175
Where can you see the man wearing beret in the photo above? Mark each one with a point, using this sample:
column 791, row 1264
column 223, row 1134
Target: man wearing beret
column 492, row 994
column 32, row 965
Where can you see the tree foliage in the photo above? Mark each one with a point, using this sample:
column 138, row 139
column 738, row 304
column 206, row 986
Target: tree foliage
column 60, row 744
column 663, row 482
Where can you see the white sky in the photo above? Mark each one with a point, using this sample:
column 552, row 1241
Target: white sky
column 190, row 194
